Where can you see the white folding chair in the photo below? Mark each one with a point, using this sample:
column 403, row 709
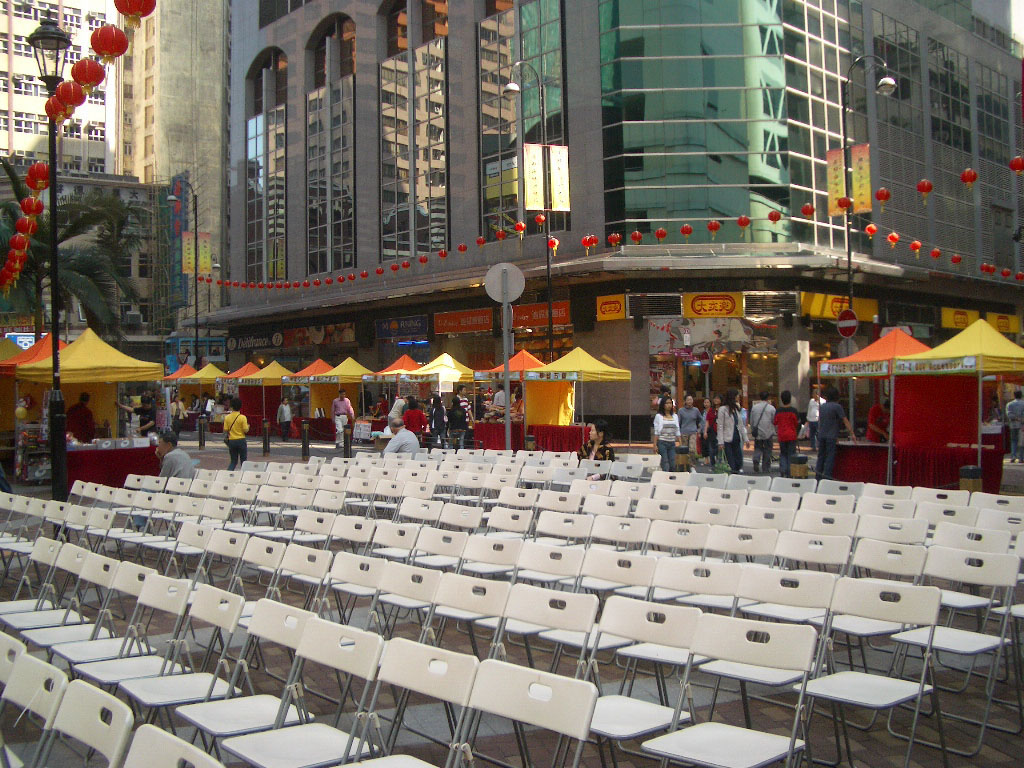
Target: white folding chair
column 153, row 747
column 890, row 492
column 94, row 718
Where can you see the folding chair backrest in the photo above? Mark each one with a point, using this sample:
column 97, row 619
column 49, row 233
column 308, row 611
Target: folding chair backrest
column 333, row 471
column 353, row 529
column 131, row 578
column 705, row 480
column 208, row 475
column 624, row 531
column 644, row 622
column 964, row 566
column 312, row 521
column 227, row 544
column 902, row 560
column 955, row 536
column 278, row 466
column 983, row 500
column 297, row 498
column 278, row 623
column 670, row 536
column 795, row 546
column 484, row 597
column 492, row 550
column 251, row 477
column 760, row 643
column 438, row 541
column 200, row 487
column 674, row 492
column 560, row 561
column 803, row 589
column 388, row 534
column 899, row 530
column 711, row 512
column 553, row 702
column 557, row 501
column 428, row 670
column 96, row 719
column 839, row 488
column 765, row 517
column 585, row 487
column 631, row 490
column 564, row 526
column 306, row 561
column 573, row 611
column 885, row 600
column 45, row 551
column 660, row 509
column 341, row 647
column 302, row 480
column 722, row 496
column 741, row 542
column 618, row 506
column 36, row 686
column 1007, row 520
column 164, row 594
column 794, row 485
column 660, row 477
column 938, row 512
column 748, row 482
column 153, row 747
column 890, row 492
column 419, row 489
column 817, row 521
column 420, row 510
column 194, row 534
column 358, row 570
column 178, row 485
column 629, row 568
column 943, row 496
column 71, row 558
column 279, row 479
column 10, row 649
column 263, row 553
column 510, row 520
column 229, row 476
column 522, row 498
column 134, row 482
column 873, row 505
column 153, row 483
column 333, row 485
column 773, row 499
column 461, row 516
column 410, row 581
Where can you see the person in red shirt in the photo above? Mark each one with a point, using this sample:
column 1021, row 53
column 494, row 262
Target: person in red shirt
column 415, row 419
column 787, row 423
column 80, row 421
column 878, row 422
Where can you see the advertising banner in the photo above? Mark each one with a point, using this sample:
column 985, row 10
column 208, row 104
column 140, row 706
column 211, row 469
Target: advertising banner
column 825, row 306
column 1003, row 323
column 403, row 327
column 533, row 177
column 958, row 318
column 860, row 188
column 536, row 315
column 611, row 307
column 559, row 159
column 834, row 164
column 464, row 321
column 713, row 304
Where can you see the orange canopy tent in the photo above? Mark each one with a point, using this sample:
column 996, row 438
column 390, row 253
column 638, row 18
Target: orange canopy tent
column 10, row 391
column 520, row 362
column 182, row 373
column 875, row 360
column 249, row 369
column 317, row 368
column 404, row 364
column 41, row 350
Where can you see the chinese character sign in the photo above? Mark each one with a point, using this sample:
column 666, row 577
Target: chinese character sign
column 834, row 163
column 860, row 160
column 533, row 177
column 559, row 156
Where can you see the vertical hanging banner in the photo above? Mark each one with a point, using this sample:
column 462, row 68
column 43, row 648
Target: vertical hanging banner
column 533, row 177
column 188, row 252
column 834, row 164
column 559, row 159
column 860, row 161
column 205, row 253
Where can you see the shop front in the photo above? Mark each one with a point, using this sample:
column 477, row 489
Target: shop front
column 469, row 335
column 294, row 347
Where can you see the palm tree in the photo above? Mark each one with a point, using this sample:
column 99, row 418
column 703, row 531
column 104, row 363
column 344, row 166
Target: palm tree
column 88, row 269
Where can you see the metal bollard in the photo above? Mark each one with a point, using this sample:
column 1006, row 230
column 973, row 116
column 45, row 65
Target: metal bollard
column 305, row 439
column 201, row 429
column 266, row 437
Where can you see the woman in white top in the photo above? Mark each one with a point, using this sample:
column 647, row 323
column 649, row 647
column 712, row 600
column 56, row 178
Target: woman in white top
column 666, row 434
column 732, row 433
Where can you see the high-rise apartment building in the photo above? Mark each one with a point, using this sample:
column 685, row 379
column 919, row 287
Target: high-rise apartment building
column 376, row 135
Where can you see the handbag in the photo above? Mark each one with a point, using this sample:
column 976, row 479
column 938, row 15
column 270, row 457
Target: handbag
column 227, row 430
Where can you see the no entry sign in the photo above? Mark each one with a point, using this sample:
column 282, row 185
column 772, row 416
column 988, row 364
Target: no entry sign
column 847, row 323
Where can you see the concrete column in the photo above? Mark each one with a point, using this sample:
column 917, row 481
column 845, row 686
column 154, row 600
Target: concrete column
column 795, row 362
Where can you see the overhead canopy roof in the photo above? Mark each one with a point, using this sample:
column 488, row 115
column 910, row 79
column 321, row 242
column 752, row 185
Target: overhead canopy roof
column 578, row 365
column 316, row 368
column 8, row 349
column 266, row 377
column 876, row 358
column 348, row 371
column 89, row 359
column 249, row 369
column 521, row 361
column 207, row 374
column 444, row 367
column 977, row 348
column 182, row 373
column 402, row 365
column 38, row 351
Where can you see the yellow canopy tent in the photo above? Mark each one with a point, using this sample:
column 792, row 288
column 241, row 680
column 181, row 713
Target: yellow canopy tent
column 444, row 367
column 323, row 387
column 32, row 392
column 553, row 402
column 978, row 349
column 89, row 364
column 202, row 381
column 575, row 366
column 262, row 406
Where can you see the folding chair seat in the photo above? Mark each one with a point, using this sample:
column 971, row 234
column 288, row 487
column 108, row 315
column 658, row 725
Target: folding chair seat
column 155, row 748
column 667, row 538
column 346, row 651
column 659, row 509
column 37, row 688
column 41, row 559
column 488, row 556
column 839, row 488
column 738, row 482
column 394, row 541
column 584, row 488
column 888, row 492
column 273, row 624
column 548, row 564
column 936, row 512
column 311, row 528
column 674, row 492
column 224, row 549
column 90, row 571
column 561, row 529
column 93, row 718
column 794, row 485
column 831, row 523
column 505, row 523
column 711, row 512
column 614, row 506
column 729, row 542
column 422, row 511
column 722, row 496
column 778, row 652
column 883, row 604
column 765, row 517
column 438, row 548
column 796, row 597
column 558, row 501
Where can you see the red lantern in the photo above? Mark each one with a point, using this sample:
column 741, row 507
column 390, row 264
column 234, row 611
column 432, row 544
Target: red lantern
column 871, row 229
column 915, row 246
column 305, row 284
column 328, row 281
column 481, row 240
column 660, row 234
column 341, row 279
column 774, row 217
column 261, row 286
column 520, row 228
column 501, row 234
column 1006, row 272
column 553, row 244
column 109, row 42
column 406, row 265
column 26, row 226
column 713, row 227
column 968, row 177
column 281, row 286
column 379, row 270
column 71, row 94
column 844, row 203
column 983, row 267
column 1017, row 165
column 936, row 253
column 462, row 248
column 1019, row 277
column 252, row 286
column 882, row 195
column 32, row 206
column 743, row 222
column 55, row 110
column 585, row 242
column 235, row 284
column 956, row 258
column 352, row 276
column 540, row 218
column 893, row 238
column 424, row 259
column 442, row 254
column 637, row 236
column 88, row 73
column 296, row 284
column 614, row 239
column 686, row 230
column 38, row 177
column 134, row 10
column 18, row 243
column 807, row 210
column 316, row 283
column 925, row 188
column 364, row 274
column 220, row 282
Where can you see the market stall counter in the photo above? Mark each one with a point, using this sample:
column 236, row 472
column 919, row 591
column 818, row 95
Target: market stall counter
column 111, row 465
column 550, row 437
column 490, row 435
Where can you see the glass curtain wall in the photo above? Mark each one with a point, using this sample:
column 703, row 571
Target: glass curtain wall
column 694, row 115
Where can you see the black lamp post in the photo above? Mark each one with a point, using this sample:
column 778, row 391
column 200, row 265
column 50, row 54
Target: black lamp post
column 195, row 259
column 50, row 44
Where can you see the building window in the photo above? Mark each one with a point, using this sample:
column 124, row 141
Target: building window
column 413, row 152
column 339, row 45
column 397, row 23
column 949, row 91
column 993, row 104
column 149, row 116
column 434, row 15
column 499, row 144
column 147, row 145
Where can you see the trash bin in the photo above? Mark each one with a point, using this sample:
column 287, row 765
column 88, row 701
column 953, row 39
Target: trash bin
column 970, row 478
column 530, row 443
column 798, row 467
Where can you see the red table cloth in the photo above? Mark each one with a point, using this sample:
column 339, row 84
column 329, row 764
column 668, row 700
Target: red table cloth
column 860, row 462
column 550, row 437
column 927, row 466
column 491, row 436
column 111, row 467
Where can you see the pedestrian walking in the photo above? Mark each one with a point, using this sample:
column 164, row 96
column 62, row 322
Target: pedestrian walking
column 343, row 415
column 762, row 431
column 1015, row 419
column 787, row 422
column 666, row 433
column 236, row 427
column 438, row 422
column 284, row 419
column 813, row 409
column 690, row 425
column 731, row 430
column 831, row 418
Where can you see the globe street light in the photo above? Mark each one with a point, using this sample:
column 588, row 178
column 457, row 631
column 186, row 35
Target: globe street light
column 50, row 45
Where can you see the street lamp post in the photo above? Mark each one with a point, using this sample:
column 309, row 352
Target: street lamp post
column 195, row 259
column 513, row 87
column 50, row 44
